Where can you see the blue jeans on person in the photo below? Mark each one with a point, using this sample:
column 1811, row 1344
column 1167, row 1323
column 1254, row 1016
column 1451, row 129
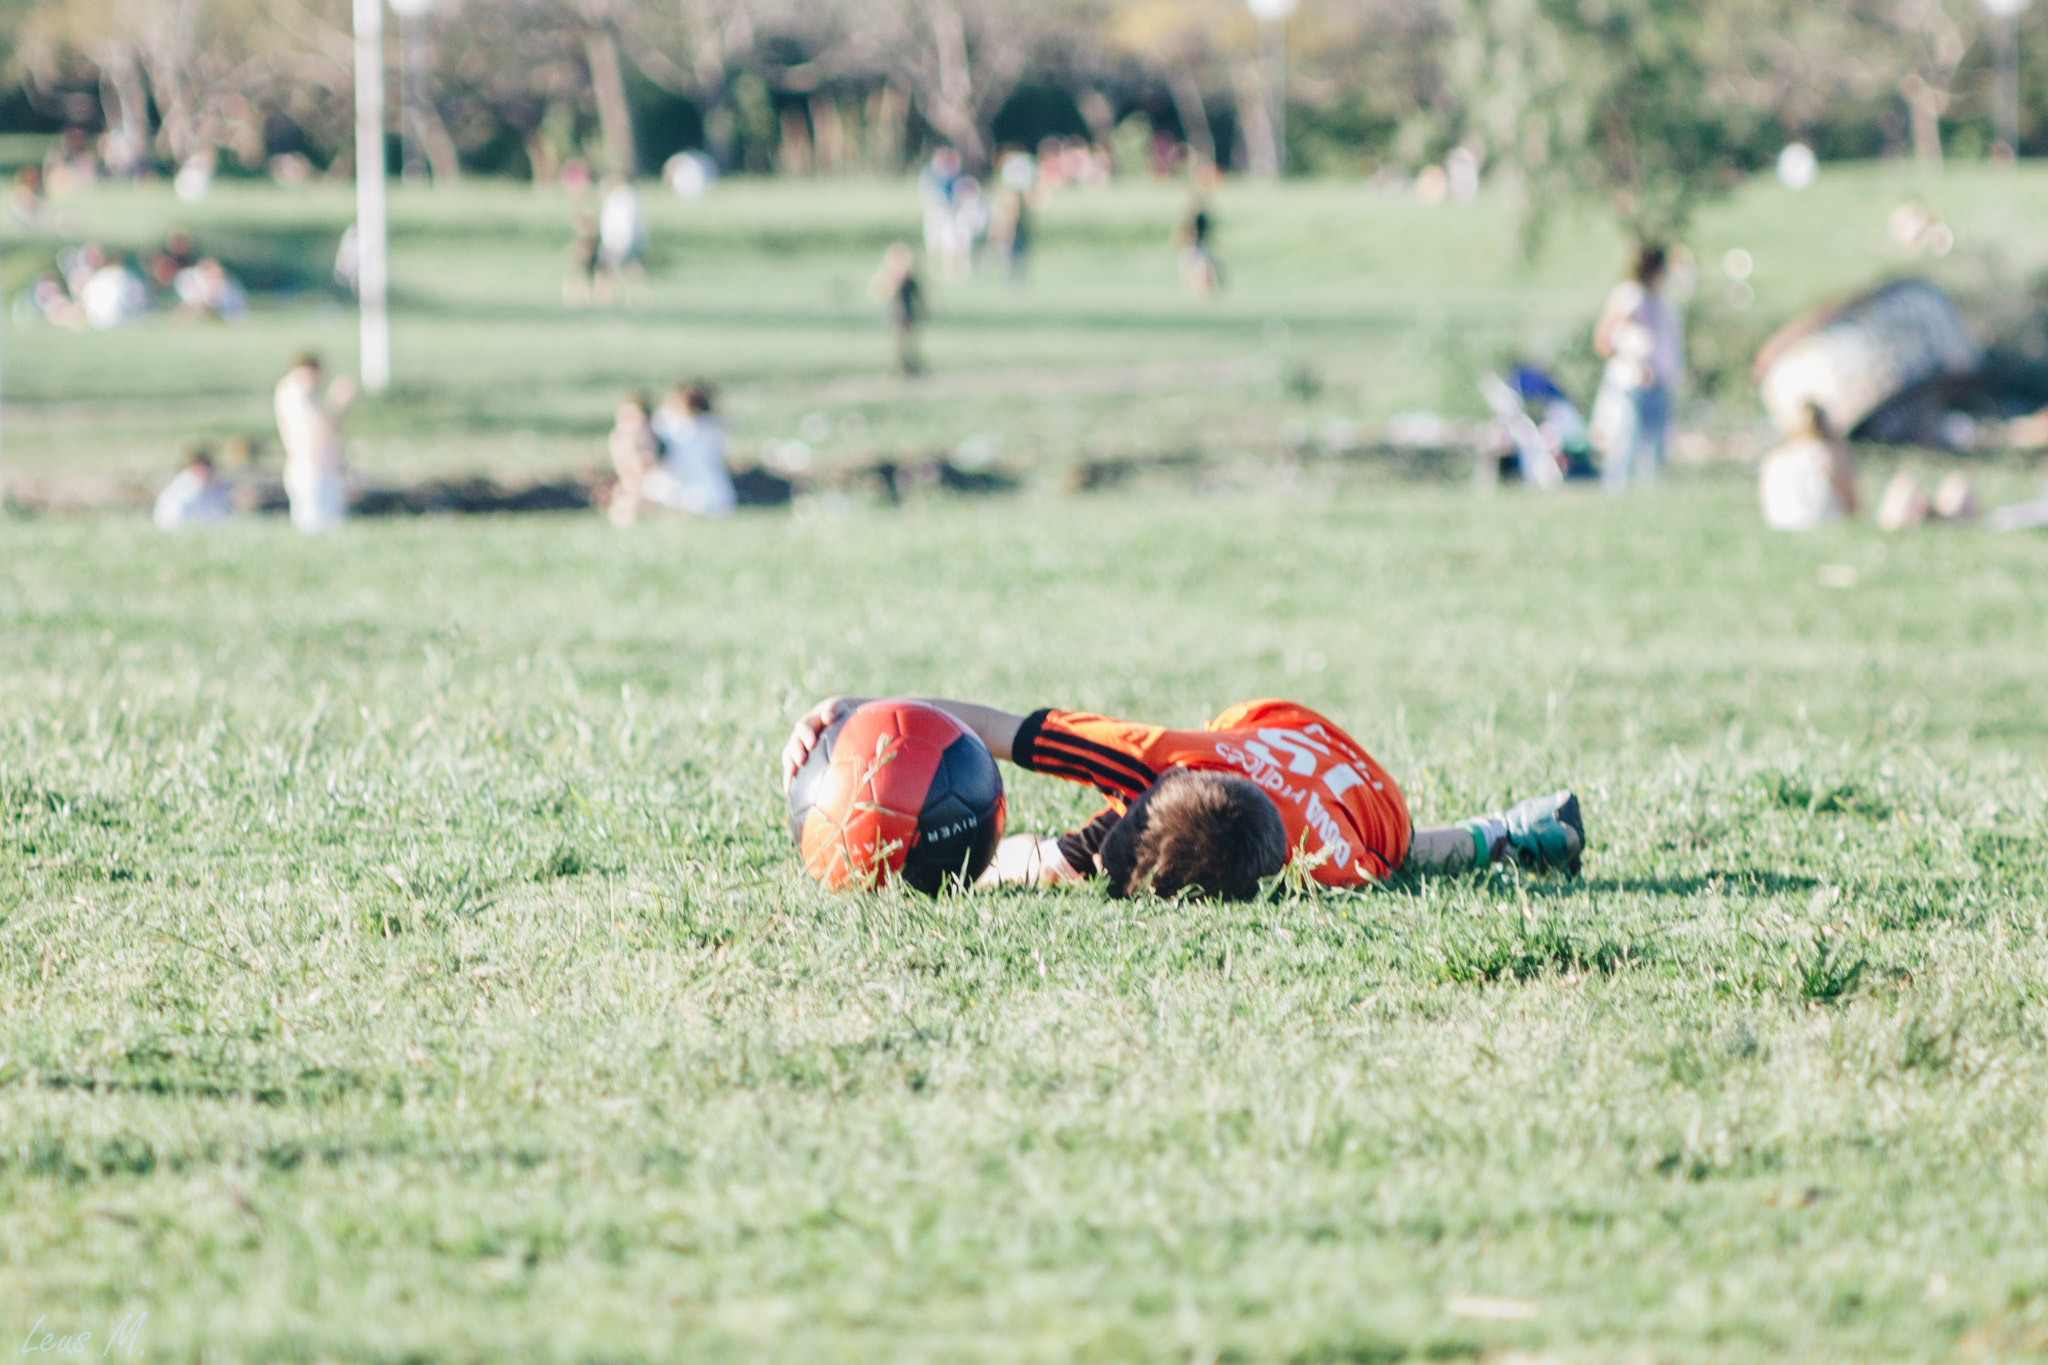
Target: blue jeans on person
column 1638, row 453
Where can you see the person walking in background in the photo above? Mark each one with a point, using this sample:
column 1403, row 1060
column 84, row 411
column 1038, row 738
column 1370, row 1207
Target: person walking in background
column 1642, row 340
column 579, row 286
column 621, row 243
column 309, row 428
column 1199, row 274
column 198, row 495
column 896, row 285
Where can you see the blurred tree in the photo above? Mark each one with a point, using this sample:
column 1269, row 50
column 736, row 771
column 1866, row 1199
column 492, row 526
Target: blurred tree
column 1920, row 44
column 1191, row 44
column 1623, row 100
column 960, row 59
column 212, row 70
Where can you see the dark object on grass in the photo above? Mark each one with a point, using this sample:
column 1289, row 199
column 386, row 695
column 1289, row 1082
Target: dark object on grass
column 470, row 496
column 757, row 487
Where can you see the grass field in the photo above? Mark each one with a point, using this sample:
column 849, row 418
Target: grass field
column 403, row 957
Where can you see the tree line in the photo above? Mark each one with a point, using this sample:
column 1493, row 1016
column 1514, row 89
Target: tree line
column 1647, row 103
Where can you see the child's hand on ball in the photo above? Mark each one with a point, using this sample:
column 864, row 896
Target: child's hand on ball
column 804, row 737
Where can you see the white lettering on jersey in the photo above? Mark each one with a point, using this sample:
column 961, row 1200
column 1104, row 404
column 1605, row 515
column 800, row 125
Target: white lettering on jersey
column 1262, row 767
column 1300, row 749
column 1325, row 825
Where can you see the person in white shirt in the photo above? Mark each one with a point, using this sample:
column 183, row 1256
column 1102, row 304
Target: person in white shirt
column 198, row 496
column 621, row 243
column 309, row 426
column 1808, row 481
column 1643, row 341
column 113, row 294
column 692, row 476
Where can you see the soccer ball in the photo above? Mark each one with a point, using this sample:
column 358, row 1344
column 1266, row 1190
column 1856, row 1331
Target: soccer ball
column 897, row 789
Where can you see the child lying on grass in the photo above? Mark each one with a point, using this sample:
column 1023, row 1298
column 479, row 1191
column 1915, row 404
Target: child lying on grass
column 1214, row 811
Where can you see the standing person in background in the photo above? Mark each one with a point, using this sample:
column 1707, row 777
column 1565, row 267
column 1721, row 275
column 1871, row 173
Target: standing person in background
column 1009, row 232
column 621, row 243
column 309, row 427
column 896, row 285
column 1641, row 338
column 935, row 184
column 1199, row 274
column 968, row 225
column 579, row 286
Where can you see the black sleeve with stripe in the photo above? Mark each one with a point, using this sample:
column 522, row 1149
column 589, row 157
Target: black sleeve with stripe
column 1080, row 846
column 1112, row 772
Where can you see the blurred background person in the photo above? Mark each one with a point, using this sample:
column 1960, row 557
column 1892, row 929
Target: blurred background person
column 579, row 286
column 935, row 184
column 965, row 228
column 621, row 244
column 309, row 428
column 691, row 476
column 207, row 290
column 196, row 496
column 1904, row 504
column 1640, row 337
column 26, row 201
column 895, row 284
column 163, row 264
column 635, row 452
column 1199, row 273
column 1009, row 230
column 1808, row 481
column 348, row 262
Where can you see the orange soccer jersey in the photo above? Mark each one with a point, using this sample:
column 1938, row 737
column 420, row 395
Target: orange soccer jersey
column 1341, row 809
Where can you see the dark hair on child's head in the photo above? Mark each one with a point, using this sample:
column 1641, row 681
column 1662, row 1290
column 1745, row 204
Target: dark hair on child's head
column 307, row 360
column 697, row 397
column 1650, row 263
column 1214, row 836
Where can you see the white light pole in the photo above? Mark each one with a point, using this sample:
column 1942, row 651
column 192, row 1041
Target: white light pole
column 1272, row 17
column 412, row 84
column 370, row 212
column 2006, row 115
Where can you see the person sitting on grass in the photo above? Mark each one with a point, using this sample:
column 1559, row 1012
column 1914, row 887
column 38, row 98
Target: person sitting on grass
column 1810, row 480
column 692, row 476
column 1215, row 812
column 198, row 496
column 635, row 453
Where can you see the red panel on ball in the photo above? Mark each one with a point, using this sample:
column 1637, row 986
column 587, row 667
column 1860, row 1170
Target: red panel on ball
column 865, row 818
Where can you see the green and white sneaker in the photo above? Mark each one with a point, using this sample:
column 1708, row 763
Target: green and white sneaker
column 1547, row 833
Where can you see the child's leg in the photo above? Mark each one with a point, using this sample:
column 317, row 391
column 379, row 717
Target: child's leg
column 1542, row 833
column 1441, row 848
